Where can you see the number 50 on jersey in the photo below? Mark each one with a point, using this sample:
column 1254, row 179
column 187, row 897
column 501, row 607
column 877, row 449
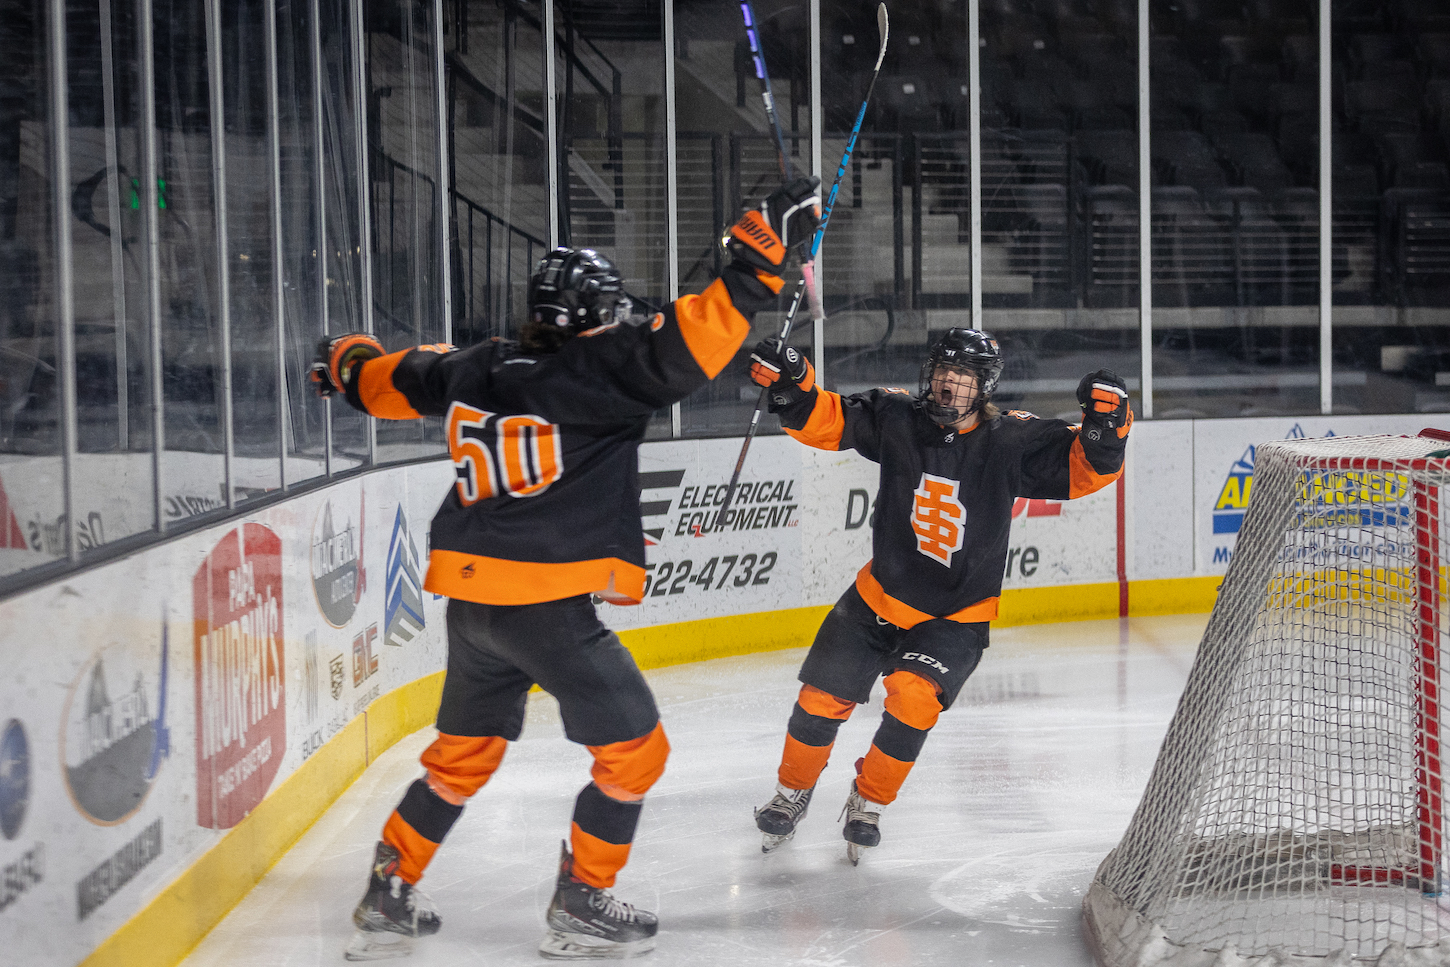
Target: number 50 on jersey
column 516, row 455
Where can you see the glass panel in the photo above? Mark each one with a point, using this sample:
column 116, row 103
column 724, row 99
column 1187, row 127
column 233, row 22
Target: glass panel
column 402, row 130
column 1060, row 285
column 495, row 92
column 1235, row 208
column 114, row 478
column 1391, row 207
column 341, row 204
column 32, row 530
column 728, row 161
column 301, row 245
column 249, row 228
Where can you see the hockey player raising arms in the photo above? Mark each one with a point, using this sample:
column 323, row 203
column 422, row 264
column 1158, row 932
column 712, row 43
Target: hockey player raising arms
column 918, row 613
column 544, row 434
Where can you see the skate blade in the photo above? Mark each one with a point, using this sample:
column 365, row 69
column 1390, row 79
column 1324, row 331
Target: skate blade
column 853, row 853
column 371, row 945
column 770, row 842
column 559, row 945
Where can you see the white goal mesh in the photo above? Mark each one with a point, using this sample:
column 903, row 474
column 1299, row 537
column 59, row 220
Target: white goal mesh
column 1294, row 815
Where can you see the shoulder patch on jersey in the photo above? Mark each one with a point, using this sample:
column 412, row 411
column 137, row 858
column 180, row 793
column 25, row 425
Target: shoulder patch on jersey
column 896, row 389
column 600, row 329
column 1021, row 415
column 437, row 347
column 658, row 322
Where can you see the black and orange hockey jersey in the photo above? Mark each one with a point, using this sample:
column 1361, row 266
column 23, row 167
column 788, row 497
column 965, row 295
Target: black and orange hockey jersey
column 944, row 508
column 545, row 446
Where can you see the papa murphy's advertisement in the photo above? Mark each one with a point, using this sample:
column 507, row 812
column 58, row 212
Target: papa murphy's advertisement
column 241, row 709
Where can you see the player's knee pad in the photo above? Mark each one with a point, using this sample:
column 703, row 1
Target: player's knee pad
column 817, row 716
column 626, row 770
column 459, row 765
column 944, row 652
column 912, row 699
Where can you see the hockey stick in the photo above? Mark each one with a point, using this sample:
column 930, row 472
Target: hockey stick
column 757, row 53
column 883, row 27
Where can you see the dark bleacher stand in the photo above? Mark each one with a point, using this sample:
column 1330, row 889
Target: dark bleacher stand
column 1110, row 157
column 1422, row 16
column 1359, row 16
column 1297, row 135
column 1216, row 124
column 1433, row 53
column 1283, row 16
column 1370, row 48
column 1111, row 252
column 1377, row 107
column 906, row 103
column 1192, row 252
column 1300, row 57
column 1256, row 160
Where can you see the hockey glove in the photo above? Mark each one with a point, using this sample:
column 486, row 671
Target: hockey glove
column 784, row 371
column 1103, row 397
column 785, row 222
column 336, row 358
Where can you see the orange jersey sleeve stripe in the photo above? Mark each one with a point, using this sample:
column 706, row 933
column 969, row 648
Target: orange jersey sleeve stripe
column 904, row 615
column 826, row 424
column 376, row 391
column 492, row 580
column 1082, row 478
column 824, row 704
column 626, row 770
column 712, row 327
column 596, row 862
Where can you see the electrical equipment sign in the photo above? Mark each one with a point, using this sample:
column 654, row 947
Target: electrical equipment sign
column 241, row 708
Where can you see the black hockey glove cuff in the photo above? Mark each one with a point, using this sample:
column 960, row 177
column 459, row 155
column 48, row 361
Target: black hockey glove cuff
column 751, row 290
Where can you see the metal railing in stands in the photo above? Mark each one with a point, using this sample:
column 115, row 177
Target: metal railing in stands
column 490, row 272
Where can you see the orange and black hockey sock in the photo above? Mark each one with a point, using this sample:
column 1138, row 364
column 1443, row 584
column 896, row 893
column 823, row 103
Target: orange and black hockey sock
column 607, row 810
column 417, row 826
column 601, row 835
column 811, row 733
column 458, row 766
column 912, row 708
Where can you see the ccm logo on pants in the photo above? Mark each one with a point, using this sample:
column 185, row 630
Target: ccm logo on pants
column 925, row 660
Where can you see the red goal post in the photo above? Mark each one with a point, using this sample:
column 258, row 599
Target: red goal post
column 1296, row 809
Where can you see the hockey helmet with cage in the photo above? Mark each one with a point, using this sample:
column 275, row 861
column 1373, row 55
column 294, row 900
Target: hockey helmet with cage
column 965, row 350
column 573, row 289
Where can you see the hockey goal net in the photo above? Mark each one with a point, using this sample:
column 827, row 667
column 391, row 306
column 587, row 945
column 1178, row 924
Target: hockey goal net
column 1295, row 813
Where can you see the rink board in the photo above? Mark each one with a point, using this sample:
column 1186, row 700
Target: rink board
column 170, row 722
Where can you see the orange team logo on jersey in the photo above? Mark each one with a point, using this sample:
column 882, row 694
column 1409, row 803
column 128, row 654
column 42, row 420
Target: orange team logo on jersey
column 937, row 517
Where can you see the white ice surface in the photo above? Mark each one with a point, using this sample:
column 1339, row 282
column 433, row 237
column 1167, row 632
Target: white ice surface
column 1022, row 789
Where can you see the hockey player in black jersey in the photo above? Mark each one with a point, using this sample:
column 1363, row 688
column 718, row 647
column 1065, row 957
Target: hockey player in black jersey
column 544, row 435
column 919, row 611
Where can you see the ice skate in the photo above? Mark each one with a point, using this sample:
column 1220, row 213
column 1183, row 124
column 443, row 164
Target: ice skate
column 391, row 914
column 587, row 923
column 777, row 819
column 862, row 829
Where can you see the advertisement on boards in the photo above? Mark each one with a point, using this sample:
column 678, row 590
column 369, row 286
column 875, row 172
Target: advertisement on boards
column 1224, row 453
column 241, row 680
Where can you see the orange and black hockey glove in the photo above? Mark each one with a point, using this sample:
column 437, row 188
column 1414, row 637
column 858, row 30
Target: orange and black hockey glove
column 784, row 371
column 332, row 371
column 785, row 222
column 1103, row 397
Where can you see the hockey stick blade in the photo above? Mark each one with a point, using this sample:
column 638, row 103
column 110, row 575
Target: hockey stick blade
column 883, row 26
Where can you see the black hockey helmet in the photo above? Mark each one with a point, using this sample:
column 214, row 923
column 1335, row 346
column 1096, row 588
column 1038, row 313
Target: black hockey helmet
column 574, row 289
column 967, row 350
